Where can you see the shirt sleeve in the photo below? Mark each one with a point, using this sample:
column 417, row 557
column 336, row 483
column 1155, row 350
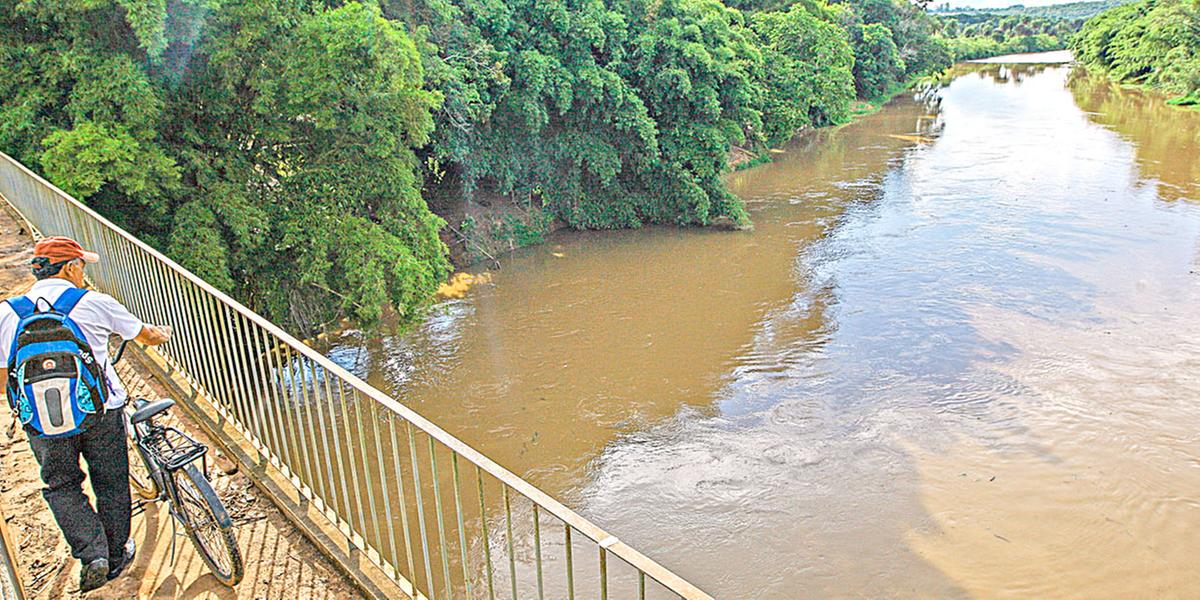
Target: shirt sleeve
column 8, row 330
column 120, row 320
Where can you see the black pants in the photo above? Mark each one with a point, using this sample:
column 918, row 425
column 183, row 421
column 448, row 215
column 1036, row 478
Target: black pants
column 90, row 535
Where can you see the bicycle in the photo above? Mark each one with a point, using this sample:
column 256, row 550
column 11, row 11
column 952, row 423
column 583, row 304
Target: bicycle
column 162, row 468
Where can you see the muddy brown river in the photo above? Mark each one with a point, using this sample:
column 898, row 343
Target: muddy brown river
column 959, row 355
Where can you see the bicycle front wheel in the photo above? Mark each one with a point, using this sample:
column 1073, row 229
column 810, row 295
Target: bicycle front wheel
column 208, row 524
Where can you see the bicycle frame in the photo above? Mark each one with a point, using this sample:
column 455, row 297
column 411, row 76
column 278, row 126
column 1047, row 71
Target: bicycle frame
column 169, row 456
column 161, row 467
column 152, row 456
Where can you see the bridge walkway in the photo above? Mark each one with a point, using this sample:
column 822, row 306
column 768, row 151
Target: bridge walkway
column 280, row 562
column 399, row 504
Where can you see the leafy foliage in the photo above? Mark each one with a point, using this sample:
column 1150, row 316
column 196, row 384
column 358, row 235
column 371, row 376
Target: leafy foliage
column 607, row 116
column 912, row 31
column 807, row 72
column 280, row 148
column 1075, row 11
column 1152, row 42
column 969, row 48
column 266, row 145
column 876, row 59
column 980, row 34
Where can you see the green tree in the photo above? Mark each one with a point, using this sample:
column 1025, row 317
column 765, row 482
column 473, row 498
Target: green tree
column 877, row 63
column 693, row 61
column 931, row 54
column 268, row 146
column 604, row 115
column 310, row 162
column 1152, row 42
column 807, row 73
column 982, row 34
column 75, row 99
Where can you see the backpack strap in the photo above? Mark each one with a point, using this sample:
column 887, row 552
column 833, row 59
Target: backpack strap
column 68, row 299
column 22, row 306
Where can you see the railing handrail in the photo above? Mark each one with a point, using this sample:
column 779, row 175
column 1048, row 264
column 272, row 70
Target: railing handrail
column 607, row 541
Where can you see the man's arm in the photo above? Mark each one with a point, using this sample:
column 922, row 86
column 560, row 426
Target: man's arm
column 121, row 322
column 153, row 335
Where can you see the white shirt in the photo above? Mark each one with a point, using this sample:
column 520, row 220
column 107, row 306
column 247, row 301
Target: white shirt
column 97, row 315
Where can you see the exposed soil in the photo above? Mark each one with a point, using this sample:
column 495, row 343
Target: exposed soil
column 280, row 562
column 483, row 228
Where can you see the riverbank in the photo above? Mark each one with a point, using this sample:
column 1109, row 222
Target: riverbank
column 492, row 226
column 956, row 357
column 1052, row 57
column 741, row 159
column 1128, row 44
column 280, row 562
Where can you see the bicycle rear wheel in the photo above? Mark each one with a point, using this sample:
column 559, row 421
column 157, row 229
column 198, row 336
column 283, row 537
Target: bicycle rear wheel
column 208, row 524
column 140, row 478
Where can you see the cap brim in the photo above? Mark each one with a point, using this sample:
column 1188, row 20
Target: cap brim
column 90, row 257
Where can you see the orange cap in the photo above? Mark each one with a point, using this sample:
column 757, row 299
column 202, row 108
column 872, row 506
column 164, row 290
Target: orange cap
column 58, row 249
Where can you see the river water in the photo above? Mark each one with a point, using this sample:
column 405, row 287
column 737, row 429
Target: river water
column 958, row 355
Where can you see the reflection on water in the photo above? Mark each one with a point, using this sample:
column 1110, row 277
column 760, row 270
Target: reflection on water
column 1165, row 139
column 600, row 334
column 958, row 355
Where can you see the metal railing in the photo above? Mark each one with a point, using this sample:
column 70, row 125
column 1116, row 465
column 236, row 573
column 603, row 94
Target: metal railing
column 438, row 517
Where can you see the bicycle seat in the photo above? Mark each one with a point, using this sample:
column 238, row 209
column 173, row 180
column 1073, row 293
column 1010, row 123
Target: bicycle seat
column 150, row 409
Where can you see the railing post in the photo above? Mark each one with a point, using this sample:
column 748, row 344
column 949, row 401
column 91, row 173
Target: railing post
column 278, row 395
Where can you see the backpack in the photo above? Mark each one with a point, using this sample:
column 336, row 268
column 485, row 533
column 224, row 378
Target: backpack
column 55, row 385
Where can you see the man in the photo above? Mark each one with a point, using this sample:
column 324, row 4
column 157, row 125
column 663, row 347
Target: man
column 98, row 538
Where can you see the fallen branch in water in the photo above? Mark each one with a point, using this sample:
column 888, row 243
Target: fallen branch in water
column 474, row 243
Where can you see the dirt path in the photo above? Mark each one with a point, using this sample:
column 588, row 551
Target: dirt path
column 280, row 562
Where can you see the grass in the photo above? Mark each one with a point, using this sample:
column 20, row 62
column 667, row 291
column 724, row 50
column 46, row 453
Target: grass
column 1191, row 101
column 862, row 108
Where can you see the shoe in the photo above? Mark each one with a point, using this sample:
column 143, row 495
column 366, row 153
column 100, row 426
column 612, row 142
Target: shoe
column 126, row 560
column 93, row 575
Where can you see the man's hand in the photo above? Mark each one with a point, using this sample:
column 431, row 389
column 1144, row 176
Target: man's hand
column 153, row 335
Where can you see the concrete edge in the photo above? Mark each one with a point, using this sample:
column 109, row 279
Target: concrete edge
column 330, row 540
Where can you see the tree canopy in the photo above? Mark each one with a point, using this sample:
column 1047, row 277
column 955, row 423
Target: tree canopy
column 1152, row 42
column 980, row 35
column 268, row 146
column 808, row 69
column 283, row 149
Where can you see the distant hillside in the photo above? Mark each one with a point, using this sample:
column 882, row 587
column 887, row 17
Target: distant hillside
column 1071, row 10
